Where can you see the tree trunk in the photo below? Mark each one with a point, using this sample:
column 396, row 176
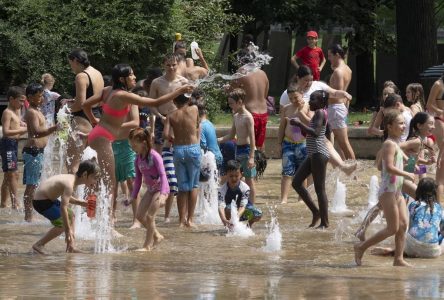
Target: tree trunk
column 365, row 84
column 416, row 39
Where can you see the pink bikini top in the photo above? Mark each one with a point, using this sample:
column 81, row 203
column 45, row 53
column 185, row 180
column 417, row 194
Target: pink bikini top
column 118, row 113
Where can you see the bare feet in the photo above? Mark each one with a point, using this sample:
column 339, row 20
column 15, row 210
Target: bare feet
column 401, row 263
column 136, row 224
column 314, row 221
column 167, row 220
column 284, row 201
column 39, row 249
column 158, row 238
column 348, row 169
column 358, row 254
column 182, row 224
column 190, row 224
column 360, row 234
column 74, row 250
column 382, row 251
column 322, row 226
column 144, row 249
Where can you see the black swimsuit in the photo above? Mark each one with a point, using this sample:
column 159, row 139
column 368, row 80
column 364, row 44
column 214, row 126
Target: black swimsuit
column 97, row 111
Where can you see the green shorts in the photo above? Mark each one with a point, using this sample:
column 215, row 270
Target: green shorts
column 124, row 158
column 59, row 222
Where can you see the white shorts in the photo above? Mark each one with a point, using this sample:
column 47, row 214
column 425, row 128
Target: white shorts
column 415, row 248
column 337, row 115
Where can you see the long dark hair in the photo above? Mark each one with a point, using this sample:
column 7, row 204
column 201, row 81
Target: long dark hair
column 426, row 192
column 419, row 118
column 303, row 71
column 81, row 56
column 120, row 70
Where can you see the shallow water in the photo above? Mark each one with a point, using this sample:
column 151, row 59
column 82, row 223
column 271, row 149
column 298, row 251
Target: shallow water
column 204, row 263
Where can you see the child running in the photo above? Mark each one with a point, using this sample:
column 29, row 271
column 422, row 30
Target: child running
column 52, row 197
column 317, row 158
column 148, row 165
column 390, row 197
column 12, row 128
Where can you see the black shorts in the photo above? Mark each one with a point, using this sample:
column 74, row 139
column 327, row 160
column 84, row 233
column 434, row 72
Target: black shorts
column 9, row 154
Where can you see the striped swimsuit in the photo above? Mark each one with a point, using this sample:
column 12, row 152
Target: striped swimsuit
column 317, row 144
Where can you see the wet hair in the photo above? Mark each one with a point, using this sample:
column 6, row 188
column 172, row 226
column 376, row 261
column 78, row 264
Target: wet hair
column 180, row 45
column 303, row 71
column 120, row 70
column 237, row 95
column 81, row 56
column 107, row 80
column 419, row 118
column 181, row 100
column 233, row 165
column 47, row 79
column 391, row 100
column 200, row 103
column 416, row 88
column 89, row 166
column 15, row 92
column 389, row 117
column 321, row 96
column 170, row 56
column 337, row 49
column 34, row 88
column 426, row 192
column 141, row 135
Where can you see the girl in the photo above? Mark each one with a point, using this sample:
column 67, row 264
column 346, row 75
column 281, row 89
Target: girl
column 390, row 198
column 389, row 87
column 424, row 235
column 149, row 165
column 415, row 95
column 317, row 158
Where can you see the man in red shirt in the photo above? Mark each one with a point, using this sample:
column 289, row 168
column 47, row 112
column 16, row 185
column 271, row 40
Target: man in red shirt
column 311, row 55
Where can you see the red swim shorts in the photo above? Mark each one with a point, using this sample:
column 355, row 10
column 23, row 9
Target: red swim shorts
column 260, row 128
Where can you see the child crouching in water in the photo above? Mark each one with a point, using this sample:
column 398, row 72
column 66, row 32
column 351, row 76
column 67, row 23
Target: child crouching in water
column 390, row 197
column 239, row 192
column 149, row 165
column 46, row 202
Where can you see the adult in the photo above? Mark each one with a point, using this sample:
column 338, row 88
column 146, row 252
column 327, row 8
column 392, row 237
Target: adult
column 338, row 107
column 255, row 84
column 116, row 105
column 186, row 67
column 88, row 82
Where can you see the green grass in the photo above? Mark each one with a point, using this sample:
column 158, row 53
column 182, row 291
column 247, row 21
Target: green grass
column 225, row 119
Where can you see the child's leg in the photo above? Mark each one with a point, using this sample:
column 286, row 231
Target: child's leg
column 298, row 180
column 336, row 160
column 400, row 234
column 152, row 235
column 27, row 199
column 134, row 204
column 391, row 212
column 191, row 205
column 49, row 236
column 250, row 182
column 182, row 200
column 371, row 215
column 319, row 171
column 285, row 188
column 168, row 205
column 409, row 188
column 13, row 179
column 5, row 190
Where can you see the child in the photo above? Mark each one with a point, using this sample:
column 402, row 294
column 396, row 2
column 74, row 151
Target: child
column 49, row 99
column 424, row 238
column 243, row 128
column 291, row 140
column 389, row 87
column 311, row 55
column 184, row 134
column 317, row 158
column 12, row 128
column 148, row 165
column 390, row 197
column 56, row 210
column 35, row 145
column 415, row 95
column 236, row 190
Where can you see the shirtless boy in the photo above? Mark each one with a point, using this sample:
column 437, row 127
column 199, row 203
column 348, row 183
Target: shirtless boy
column 337, row 107
column 160, row 86
column 185, row 135
column 243, row 129
column 46, row 202
column 12, row 128
column 33, row 150
column 186, row 67
column 255, row 84
column 291, row 140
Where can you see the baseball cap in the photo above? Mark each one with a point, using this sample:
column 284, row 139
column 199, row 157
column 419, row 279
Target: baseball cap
column 313, row 34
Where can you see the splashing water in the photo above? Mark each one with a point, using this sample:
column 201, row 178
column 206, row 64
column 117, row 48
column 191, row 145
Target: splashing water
column 338, row 203
column 207, row 209
column 239, row 228
column 104, row 230
column 273, row 242
column 373, row 191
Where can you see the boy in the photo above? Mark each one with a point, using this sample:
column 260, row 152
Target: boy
column 236, row 190
column 12, row 129
column 46, row 202
column 311, row 55
column 243, row 128
column 33, row 150
column 291, row 140
column 185, row 134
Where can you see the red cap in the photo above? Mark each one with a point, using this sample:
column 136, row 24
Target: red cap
column 313, row 34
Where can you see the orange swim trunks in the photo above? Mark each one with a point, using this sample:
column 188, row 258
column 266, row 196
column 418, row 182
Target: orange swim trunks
column 260, row 128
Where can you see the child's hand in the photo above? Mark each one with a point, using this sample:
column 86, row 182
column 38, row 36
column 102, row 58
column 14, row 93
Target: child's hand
column 295, row 121
column 410, row 176
column 251, row 163
column 23, row 124
column 69, row 238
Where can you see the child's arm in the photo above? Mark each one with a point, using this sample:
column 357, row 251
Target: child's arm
column 168, row 133
column 76, row 201
column 81, row 87
column 223, row 217
column 250, row 128
column 388, row 155
column 304, row 114
column 32, row 119
column 133, row 118
column 229, row 136
column 6, row 123
column 202, row 59
column 137, row 181
column 323, row 61
column 158, row 163
column 318, row 122
column 294, row 62
column 374, row 129
column 281, row 132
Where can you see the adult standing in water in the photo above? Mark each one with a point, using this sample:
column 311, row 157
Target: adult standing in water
column 88, row 82
column 338, row 107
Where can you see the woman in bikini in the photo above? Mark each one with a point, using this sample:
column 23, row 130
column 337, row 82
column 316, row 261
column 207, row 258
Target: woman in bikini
column 116, row 105
column 88, row 82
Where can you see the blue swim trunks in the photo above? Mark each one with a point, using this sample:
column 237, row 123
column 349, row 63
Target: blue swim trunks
column 124, row 158
column 33, row 165
column 242, row 155
column 293, row 154
column 51, row 210
column 9, row 154
column 187, row 162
